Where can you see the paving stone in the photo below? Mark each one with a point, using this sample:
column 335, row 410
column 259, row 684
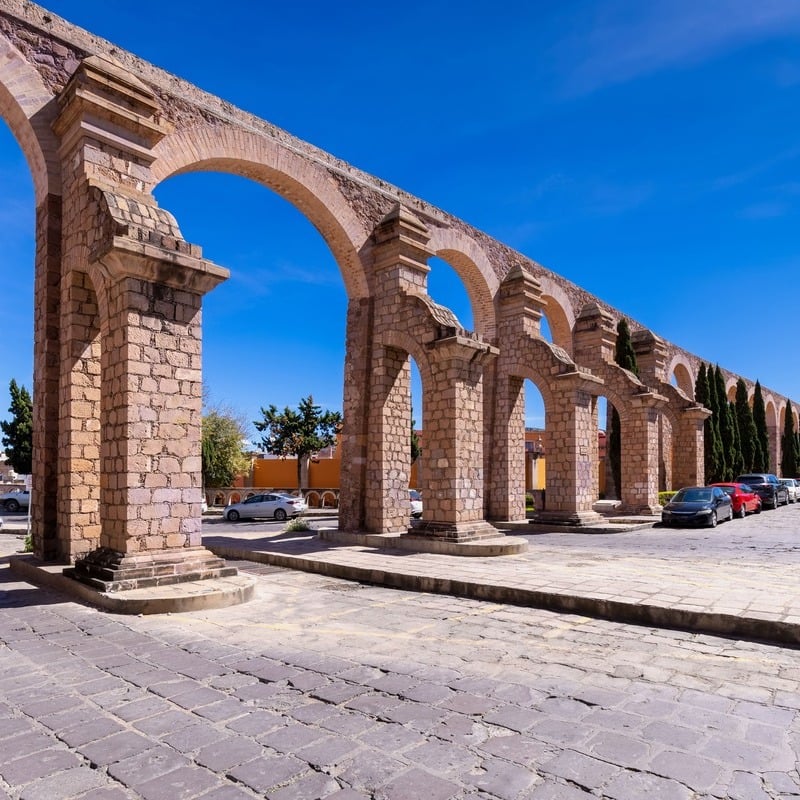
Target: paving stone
column 90, row 731
column 291, row 737
column 307, row 787
column 514, row 718
column 263, row 773
column 148, row 765
column 588, row 773
column 329, row 752
column 222, row 711
column 373, row 770
column 516, row 748
column 39, row 765
column 418, row 783
column 697, row 773
column 629, row 784
column 503, row 780
column 337, row 692
column 223, row 754
column 181, row 784
column 115, row 748
column 192, row 738
column 255, row 723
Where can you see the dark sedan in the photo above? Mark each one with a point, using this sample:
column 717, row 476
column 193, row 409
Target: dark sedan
column 698, row 505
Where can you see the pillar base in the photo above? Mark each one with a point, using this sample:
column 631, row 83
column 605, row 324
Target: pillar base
column 108, row 570
column 575, row 519
column 454, row 531
column 641, row 511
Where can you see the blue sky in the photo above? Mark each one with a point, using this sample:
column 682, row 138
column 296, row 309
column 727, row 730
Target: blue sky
column 646, row 151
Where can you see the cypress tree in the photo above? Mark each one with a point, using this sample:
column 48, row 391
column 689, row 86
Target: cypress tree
column 725, row 425
column 625, row 356
column 705, row 392
column 751, row 449
column 737, row 460
column 760, row 419
column 788, row 445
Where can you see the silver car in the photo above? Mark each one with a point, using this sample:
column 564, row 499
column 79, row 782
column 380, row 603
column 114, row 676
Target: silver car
column 794, row 488
column 273, row 505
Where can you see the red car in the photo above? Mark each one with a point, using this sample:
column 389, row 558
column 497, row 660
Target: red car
column 743, row 498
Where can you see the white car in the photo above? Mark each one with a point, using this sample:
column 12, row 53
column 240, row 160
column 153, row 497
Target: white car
column 415, row 499
column 14, row 501
column 276, row 506
column 794, row 488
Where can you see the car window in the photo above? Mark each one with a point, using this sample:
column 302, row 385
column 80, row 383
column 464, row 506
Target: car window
column 256, row 498
column 693, row 496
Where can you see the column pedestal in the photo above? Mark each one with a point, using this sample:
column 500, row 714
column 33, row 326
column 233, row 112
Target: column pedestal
column 109, row 570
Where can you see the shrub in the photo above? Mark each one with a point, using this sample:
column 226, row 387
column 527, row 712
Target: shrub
column 665, row 497
column 297, row 524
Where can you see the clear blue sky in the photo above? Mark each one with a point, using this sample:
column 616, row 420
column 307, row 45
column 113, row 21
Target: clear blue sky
column 647, row 151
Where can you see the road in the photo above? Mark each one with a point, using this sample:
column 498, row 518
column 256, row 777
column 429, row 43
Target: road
column 329, row 689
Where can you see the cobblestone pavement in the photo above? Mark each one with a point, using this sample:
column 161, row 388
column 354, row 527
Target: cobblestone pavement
column 322, row 688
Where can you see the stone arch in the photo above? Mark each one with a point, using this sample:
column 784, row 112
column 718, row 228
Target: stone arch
column 329, row 500
column 559, row 312
column 480, row 278
column 312, row 499
column 29, row 109
column 305, row 184
column 682, row 370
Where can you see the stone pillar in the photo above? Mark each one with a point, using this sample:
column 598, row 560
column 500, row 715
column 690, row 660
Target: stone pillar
column 131, row 288
column 355, row 430
column 505, row 476
column 572, row 463
column 47, row 358
column 151, row 411
column 389, row 453
column 640, row 449
column 689, row 455
column 453, row 407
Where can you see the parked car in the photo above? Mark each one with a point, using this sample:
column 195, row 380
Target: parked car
column 14, row 501
column 698, row 505
column 743, row 498
column 794, row 488
column 767, row 486
column 415, row 498
column 276, row 506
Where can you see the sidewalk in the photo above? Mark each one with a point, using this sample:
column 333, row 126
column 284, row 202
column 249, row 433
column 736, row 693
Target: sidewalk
column 740, row 579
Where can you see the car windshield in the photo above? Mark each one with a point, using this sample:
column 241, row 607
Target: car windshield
column 728, row 489
column 693, row 496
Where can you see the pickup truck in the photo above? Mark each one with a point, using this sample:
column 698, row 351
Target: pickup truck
column 14, row 501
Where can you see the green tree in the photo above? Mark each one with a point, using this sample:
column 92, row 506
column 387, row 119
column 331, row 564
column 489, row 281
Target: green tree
column 706, row 394
column 737, row 460
column 298, row 433
column 18, row 431
column 751, row 449
column 223, row 456
column 725, row 425
column 625, row 356
column 760, row 419
column 789, row 453
column 416, row 450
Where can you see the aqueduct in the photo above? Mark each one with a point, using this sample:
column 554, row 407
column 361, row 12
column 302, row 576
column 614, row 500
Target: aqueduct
column 117, row 339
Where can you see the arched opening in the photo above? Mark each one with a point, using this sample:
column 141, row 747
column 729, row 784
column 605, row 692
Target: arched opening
column 536, row 445
column 447, row 288
column 17, row 222
column 681, row 376
column 274, row 332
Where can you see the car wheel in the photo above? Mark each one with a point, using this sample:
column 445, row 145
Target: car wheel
column 233, row 516
column 280, row 514
column 12, row 505
column 712, row 523
column 743, row 511
column 758, row 509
